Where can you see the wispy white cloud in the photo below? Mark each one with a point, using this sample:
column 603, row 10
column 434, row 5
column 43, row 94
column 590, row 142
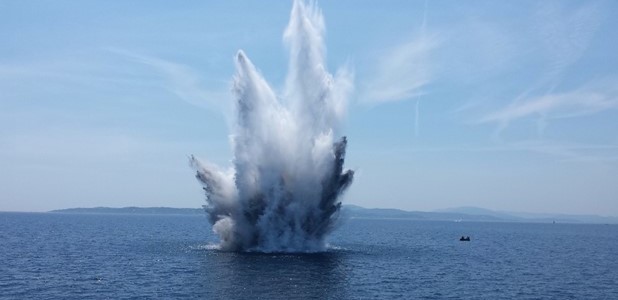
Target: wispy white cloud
column 589, row 99
column 548, row 43
column 565, row 35
column 416, row 117
column 401, row 72
column 185, row 83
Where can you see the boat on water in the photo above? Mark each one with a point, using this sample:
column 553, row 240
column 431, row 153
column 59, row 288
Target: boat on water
column 464, row 239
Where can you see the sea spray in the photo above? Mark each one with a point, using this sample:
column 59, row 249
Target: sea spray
column 282, row 194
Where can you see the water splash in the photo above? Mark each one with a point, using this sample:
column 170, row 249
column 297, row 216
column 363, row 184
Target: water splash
column 282, row 193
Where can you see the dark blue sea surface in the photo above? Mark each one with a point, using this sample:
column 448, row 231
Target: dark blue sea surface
column 107, row 256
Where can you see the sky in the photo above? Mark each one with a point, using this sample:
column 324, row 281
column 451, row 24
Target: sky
column 506, row 105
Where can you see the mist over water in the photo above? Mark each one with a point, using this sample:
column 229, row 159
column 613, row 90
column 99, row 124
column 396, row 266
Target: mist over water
column 282, row 193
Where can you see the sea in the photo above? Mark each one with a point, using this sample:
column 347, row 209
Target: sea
column 123, row 256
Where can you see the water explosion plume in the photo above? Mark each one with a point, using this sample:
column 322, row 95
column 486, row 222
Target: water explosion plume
column 282, row 193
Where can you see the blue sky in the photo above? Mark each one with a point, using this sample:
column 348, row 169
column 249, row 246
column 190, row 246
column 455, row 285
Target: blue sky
column 504, row 105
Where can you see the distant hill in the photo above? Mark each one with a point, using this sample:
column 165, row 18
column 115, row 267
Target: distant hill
column 460, row 214
column 534, row 217
column 353, row 211
column 132, row 210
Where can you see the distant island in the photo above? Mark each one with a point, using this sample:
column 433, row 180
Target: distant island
column 460, row 214
column 132, row 210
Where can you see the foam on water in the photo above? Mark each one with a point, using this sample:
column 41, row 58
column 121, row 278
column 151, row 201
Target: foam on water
column 206, row 247
column 282, row 193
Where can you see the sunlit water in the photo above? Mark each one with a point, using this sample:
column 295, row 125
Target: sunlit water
column 124, row 256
